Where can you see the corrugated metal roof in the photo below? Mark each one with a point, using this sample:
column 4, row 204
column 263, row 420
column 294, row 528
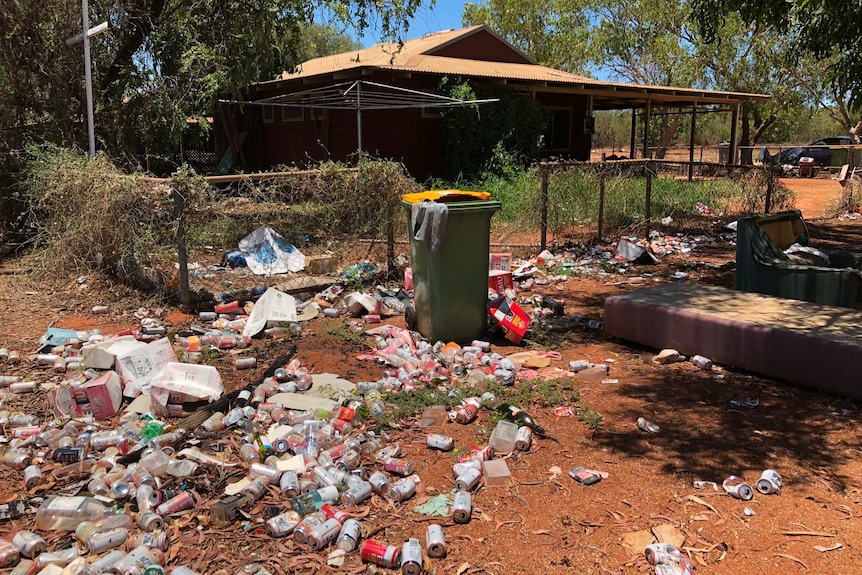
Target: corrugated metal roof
column 413, row 56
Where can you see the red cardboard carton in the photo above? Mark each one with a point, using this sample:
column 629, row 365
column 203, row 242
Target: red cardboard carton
column 510, row 317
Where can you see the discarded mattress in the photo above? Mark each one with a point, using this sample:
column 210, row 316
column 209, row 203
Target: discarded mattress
column 803, row 343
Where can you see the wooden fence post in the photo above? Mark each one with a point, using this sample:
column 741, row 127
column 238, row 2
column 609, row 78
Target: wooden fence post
column 182, row 254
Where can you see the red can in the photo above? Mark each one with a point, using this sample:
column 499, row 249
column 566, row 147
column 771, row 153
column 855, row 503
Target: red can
column 400, row 467
column 345, row 413
column 381, row 554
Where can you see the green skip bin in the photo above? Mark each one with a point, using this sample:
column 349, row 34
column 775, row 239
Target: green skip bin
column 451, row 285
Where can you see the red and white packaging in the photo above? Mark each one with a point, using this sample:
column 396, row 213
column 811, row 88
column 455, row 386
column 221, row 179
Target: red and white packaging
column 510, row 317
column 100, row 398
column 500, row 261
column 500, row 281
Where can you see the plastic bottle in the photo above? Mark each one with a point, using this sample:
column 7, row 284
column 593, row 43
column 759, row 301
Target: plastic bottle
column 66, row 513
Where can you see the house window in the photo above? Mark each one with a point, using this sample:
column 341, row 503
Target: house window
column 268, row 114
column 558, row 134
column 292, row 114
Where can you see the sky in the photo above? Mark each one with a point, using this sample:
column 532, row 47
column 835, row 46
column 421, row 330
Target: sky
column 445, row 15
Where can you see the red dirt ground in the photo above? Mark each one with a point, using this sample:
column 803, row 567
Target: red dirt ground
column 546, row 523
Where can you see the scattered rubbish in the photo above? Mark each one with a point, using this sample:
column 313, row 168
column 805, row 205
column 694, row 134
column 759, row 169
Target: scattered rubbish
column 437, row 506
column 510, row 317
column 769, row 482
column 745, row 403
column 632, row 253
column 738, row 488
column 667, row 356
column 667, row 559
column 748, row 512
column 273, row 309
column 647, row 426
column 585, row 476
column 705, row 485
column 267, row 253
column 702, row 362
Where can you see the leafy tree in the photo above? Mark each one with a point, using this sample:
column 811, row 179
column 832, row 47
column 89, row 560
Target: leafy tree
column 162, row 61
column 552, row 32
column 828, row 30
column 494, row 137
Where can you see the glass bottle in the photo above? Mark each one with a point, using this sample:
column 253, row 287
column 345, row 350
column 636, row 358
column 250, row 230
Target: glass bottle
column 518, row 415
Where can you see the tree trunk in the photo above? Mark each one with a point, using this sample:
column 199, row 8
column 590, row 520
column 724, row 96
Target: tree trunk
column 669, row 124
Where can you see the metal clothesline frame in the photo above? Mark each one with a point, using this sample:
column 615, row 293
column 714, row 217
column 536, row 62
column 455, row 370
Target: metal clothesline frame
column 351, row 96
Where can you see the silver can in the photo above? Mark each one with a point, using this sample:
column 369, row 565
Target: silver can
column 769, row 482
column 435, row 543
column 439, row 441
column 358, row 492
column 323, row 535
column 307, row 525
column 32, row 476
column 524, row 438
column 9, row 555
column 282, row 525
column 104, row 564
column 289, row 483
column 271, row 474
column 658, row 553
column 348, row 537
column 29, row 544
column 379, row 482
column 462, row 508
column 150, row 521
column 101, row 541
column 411, row 557
column 468, row 480
column 402, row 490
column 737, row 487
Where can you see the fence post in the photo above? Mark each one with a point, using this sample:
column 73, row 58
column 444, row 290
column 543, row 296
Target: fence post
column 648, row 214
column 182, row 254
column 545, row 174
column 601, row 204
column 770, row 184
column 391, row 267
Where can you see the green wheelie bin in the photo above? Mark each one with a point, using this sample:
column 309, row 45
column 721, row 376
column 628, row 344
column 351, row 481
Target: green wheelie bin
column 451, row 285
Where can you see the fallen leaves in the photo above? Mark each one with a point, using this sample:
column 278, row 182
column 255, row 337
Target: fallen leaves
column 792, row 558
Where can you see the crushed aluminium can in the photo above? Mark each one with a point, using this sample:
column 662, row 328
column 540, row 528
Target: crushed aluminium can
column 738, row 488
column 283, row 524
column 657, row 553
column 348, row 537
column 769, row 482
column 9, row 554
column 439, row 441
column 323, row 534
column 29, row 544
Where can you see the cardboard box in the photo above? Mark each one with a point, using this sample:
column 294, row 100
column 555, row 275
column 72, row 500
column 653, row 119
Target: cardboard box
column 100, row 398
column 500, row 281
column 180, row 383
column 321, row 265
column 139, row 364
column 500, row 261
column 513, row 320
column 104, row 355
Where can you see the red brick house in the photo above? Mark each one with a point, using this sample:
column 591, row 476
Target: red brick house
column 291, row 124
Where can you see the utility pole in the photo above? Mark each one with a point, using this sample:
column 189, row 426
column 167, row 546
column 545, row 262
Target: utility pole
column 85, row 37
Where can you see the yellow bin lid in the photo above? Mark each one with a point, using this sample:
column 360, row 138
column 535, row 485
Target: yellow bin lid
column 445, row 196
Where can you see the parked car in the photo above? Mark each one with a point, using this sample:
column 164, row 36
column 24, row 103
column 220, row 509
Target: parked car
column 822, row 155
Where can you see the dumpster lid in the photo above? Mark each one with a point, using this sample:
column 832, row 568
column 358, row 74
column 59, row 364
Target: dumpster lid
column 445, row 196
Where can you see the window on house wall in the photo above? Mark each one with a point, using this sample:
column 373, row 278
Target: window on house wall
column 292, row 114
column 268, row 114
column 558, row 134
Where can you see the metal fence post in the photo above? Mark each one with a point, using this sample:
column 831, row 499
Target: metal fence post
column 601, row 204
column 648, row 210
column 545, row 175
column 770, row 184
